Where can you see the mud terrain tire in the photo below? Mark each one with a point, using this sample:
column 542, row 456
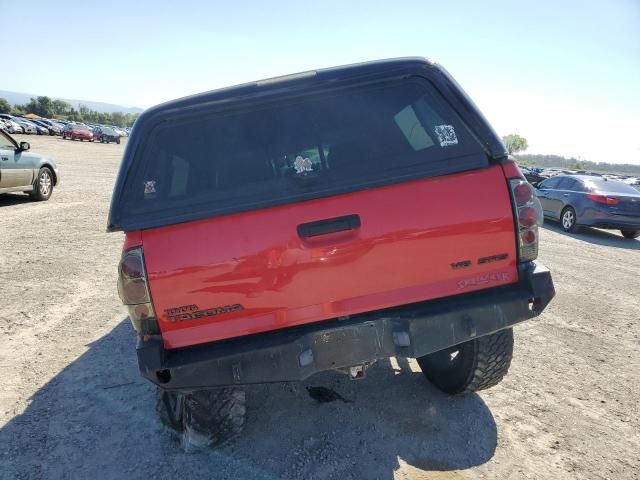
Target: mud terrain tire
column 471, row 366
column 205, row 418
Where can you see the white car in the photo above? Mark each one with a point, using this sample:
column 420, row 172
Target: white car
column 27, row 127
column 12, row 125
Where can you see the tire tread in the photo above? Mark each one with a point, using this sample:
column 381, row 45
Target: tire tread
column 215, row 416
column 493, row 360
column 485, row 362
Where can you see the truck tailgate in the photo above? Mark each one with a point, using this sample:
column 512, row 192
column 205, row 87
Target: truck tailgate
column 252, row 272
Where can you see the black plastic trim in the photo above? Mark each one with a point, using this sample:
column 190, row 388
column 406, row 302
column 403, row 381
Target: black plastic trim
column 329, row 225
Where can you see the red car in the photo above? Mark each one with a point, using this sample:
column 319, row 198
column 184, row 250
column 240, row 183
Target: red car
column 77, row 132
column 322, row 221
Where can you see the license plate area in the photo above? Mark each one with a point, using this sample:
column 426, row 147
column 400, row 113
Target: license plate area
column 347, row 346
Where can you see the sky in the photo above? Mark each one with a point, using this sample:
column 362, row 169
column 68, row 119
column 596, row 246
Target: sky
column 565, row 74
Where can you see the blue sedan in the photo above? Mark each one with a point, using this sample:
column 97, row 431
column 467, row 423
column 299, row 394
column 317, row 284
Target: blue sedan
column 584, row 200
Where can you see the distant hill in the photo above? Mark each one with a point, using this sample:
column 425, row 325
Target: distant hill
column 17, row 98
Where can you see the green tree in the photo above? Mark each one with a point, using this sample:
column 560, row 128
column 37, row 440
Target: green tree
column 84, row 111
column 30, row 107
column 4, row 106
column 42, row 106
column 118, row 119
column 60, row 107
column 515, row 143
column 45, row 107
column 19, row 110
column 576, row 164
column 74, row 115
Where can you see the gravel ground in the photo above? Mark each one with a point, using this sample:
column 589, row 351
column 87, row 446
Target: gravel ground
column 74, row 405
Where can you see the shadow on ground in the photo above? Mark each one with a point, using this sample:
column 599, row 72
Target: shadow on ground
column 595, row 236
column 96, row 419
column 8, row 199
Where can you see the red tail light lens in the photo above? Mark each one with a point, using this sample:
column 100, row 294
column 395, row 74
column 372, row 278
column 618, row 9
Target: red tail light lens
column 522, row 194
column 528, row 237
column 603, row 199
column 133, row 289
column 529, row 218
column 132, row 281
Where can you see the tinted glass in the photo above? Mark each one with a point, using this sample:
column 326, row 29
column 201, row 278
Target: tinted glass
column 550, row 183
column 576, row 185
column 572, row 184
column 564, row 183
column 285, row 152
column 613, row 186
column 5, row 142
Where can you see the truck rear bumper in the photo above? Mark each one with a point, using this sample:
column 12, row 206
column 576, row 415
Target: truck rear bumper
column 297, row 353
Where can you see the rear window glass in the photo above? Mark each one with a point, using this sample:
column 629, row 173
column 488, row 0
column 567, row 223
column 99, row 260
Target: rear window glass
column 613, row 186
column 291, row 151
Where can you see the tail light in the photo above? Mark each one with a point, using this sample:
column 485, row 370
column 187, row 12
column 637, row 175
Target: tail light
column 603, row 199
column 133, row 289
column 529, row 217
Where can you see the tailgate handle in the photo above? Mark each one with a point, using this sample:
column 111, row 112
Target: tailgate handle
column 329, row 225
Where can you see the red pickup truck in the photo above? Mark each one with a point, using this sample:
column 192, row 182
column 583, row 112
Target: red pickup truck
column 322, row 221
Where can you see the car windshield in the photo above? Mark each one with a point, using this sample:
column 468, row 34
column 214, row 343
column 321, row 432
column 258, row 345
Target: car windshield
column 612, row 186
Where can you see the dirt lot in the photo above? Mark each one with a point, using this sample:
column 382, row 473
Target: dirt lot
column 74, row 406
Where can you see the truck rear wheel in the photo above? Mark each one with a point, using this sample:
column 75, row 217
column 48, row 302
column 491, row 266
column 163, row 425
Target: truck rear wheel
column 471, row 366
column 205, row 417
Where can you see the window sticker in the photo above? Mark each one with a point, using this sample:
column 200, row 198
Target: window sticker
column 149, row 188
column 412, row 129
column 302, row 165
column 446, row 135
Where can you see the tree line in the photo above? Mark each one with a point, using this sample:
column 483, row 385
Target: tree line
column 556, row 161
column 515, row 144
column 54, row 108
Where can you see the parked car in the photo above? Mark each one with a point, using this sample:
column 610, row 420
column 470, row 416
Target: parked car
column 118, row 130
column 27, row 127
column 277, row 247
column 51, row 128
column 550, row 172
column 106, row 135
column 582, row 200
column 77, row 132
column 532, row 176
column 40, row 129
column 24, row 171
column 14, row 126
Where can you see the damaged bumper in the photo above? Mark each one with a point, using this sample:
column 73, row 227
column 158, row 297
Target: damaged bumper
column 299, row 352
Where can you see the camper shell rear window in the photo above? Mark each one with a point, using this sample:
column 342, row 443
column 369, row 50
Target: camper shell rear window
column 220, row 161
